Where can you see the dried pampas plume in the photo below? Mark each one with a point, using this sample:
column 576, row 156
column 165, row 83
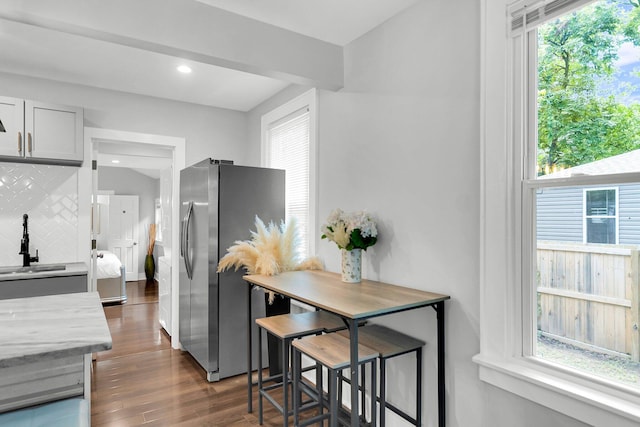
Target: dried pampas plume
column 271, row 250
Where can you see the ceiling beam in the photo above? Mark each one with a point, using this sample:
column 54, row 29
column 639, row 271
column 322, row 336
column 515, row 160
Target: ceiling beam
column 192, row 31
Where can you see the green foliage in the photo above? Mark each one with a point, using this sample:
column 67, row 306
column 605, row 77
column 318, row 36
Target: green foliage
column 576, row 56
column 357, row 241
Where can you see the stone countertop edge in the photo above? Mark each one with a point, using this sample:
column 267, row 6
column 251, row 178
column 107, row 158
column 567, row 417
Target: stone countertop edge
column 72, row 269
column 38, row 329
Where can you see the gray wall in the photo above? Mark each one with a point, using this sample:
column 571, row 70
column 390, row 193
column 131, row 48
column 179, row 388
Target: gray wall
column 127, row 182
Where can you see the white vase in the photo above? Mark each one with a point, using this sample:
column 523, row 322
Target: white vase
column 351, row 265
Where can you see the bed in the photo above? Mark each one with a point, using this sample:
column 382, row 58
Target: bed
column 111, row 278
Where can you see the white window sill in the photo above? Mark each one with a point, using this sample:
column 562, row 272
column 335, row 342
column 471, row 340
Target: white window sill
column 564, row 393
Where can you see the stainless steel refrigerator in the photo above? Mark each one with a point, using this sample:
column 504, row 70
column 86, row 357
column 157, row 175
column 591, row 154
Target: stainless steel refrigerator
column 218, row 205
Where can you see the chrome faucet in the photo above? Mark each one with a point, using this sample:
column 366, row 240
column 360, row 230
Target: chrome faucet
column 27, row 259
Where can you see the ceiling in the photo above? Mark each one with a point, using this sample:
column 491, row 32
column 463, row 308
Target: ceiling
column 65, row 51
column 71, row 42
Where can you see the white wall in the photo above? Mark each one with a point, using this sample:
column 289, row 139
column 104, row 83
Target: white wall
column 402, row 140
column 210, row 132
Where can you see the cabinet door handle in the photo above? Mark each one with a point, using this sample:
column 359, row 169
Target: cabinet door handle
column 19, row 142
column 29, row 143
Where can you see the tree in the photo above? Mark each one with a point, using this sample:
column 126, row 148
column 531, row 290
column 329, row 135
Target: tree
column 577, row 123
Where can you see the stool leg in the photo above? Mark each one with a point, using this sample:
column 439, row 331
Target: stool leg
column 374, row 368
column 363, row 395
column 340, row 383
column 383, row 391
column 419, row 388
column 319, row 388
column 259, row 376
column 295, row 377
column 333, row 401
column 285, row 382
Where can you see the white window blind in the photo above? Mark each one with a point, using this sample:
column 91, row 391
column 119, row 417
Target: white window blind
column 527, row 15
column 288, row 149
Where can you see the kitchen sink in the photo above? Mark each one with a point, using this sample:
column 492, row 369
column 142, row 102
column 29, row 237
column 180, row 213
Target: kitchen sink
column 32, row 268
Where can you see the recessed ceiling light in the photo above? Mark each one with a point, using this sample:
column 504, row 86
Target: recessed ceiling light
column 184, row 69
column 115, row 161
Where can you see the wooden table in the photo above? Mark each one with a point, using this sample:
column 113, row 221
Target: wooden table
column 353, row 302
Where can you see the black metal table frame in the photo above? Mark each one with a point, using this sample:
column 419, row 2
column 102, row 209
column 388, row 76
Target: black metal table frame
column 353, row 332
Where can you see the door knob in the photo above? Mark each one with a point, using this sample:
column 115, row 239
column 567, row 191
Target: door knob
column 135, row 243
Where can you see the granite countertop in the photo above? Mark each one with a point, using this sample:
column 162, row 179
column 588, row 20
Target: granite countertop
column 71, row 269
column 49, row 327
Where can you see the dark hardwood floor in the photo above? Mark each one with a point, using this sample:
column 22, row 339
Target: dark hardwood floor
column 143, row 381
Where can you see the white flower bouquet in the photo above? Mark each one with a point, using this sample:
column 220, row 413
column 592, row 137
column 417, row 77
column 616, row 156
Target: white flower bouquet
column 353, row 230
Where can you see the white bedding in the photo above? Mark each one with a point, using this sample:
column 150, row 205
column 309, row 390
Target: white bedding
column 108, row 265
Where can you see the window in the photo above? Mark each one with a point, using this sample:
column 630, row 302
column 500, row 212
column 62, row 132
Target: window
column 600, row 216
column 580, row 106
column 289, row 143
column 555, row 294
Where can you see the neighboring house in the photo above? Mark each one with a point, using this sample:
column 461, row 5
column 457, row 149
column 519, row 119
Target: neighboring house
column 592, row 214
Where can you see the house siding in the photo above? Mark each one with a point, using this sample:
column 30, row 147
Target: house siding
column 629, row 215
column 559, row 214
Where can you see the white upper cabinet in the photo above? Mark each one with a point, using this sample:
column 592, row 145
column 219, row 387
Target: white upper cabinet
column 41, row 133
column 12, row 118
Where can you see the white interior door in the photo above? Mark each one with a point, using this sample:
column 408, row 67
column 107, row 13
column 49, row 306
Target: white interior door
column 123, row 232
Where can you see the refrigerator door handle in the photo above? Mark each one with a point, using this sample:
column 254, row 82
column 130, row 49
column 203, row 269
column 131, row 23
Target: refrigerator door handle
column 185, row 238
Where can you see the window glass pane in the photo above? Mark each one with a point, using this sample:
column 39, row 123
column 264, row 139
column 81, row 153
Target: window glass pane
column 587, row 311
column 601, row 230
column 601, row 202
column 588, row 91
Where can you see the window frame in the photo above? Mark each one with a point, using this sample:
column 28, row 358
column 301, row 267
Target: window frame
column 507, row 224
column 308, row 100
column 586, row 217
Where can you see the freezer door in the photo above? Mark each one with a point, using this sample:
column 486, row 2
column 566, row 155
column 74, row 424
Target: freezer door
column 244, row 193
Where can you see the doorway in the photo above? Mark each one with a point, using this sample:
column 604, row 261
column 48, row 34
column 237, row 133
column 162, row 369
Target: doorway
column 155, row 154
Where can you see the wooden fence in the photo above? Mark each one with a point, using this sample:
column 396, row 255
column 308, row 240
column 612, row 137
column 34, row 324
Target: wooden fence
column 588, row 293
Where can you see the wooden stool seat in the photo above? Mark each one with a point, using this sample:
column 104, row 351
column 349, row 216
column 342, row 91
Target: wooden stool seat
column 387, row 342
column 391, row 343
column 333, row 352
column 298, row 325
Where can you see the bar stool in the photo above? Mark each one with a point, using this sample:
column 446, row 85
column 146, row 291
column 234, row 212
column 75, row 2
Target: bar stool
column 333, row 352
column 288, row 327
column 391, row 343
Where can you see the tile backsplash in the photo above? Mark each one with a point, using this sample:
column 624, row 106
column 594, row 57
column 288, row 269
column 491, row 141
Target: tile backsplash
column 49, row 195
